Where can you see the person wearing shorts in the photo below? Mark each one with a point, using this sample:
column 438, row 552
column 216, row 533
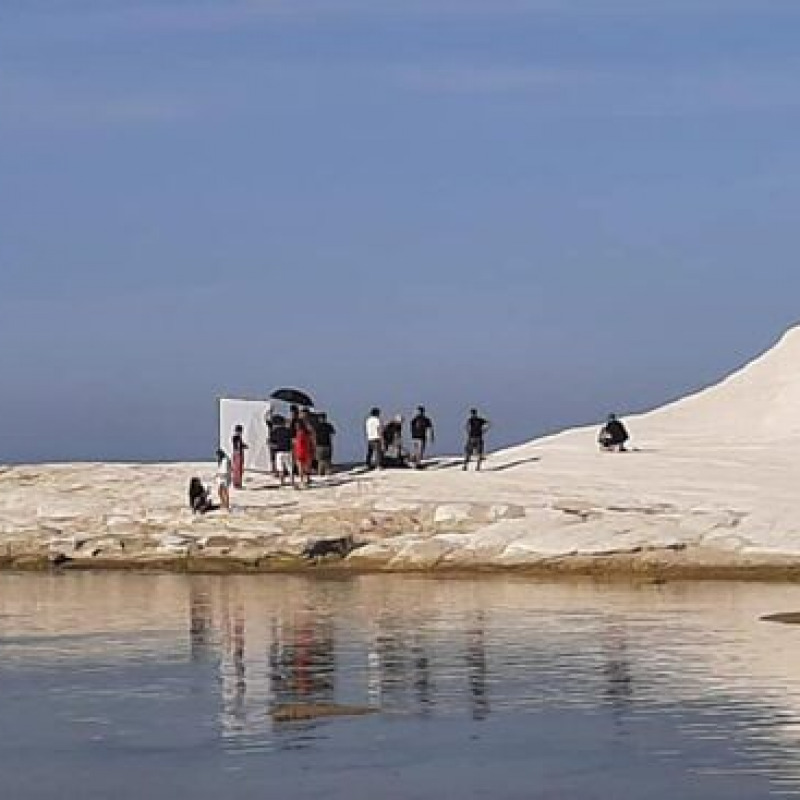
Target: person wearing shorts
column 324, row 444
column 223, row 479
column 281, row 441
column 476, row 427
column 374, row 432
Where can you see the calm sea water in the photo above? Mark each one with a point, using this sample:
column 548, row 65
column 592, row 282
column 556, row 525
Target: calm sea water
column 159, row 686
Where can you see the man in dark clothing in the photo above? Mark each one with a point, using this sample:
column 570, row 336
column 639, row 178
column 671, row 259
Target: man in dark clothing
column 613, row 435
column 324, row 437
column 421, row 429
column 294, row 421
column 268, row 415
column 280, row 440
column 476, row 427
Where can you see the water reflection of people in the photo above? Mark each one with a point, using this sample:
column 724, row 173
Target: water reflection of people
column 234, row 673
column 476, row 664
column 399, row 673
column 617, row 669
column 391, row 659
column 200, row 624
column 423, row 683
column 303, row 663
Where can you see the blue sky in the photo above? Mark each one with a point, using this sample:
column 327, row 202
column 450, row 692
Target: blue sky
column 546, row 208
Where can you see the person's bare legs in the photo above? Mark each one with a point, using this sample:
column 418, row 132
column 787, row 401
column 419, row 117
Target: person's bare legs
column 224, row 497
column 303, row 475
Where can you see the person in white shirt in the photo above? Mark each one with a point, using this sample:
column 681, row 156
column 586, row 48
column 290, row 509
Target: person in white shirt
column 374, row 432
column 223, row 479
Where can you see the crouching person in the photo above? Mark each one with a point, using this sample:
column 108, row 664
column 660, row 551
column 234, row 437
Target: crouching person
column 199, row 501
column 613, row 435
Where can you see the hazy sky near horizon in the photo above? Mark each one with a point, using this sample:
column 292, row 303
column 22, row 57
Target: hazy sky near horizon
column 546, row 208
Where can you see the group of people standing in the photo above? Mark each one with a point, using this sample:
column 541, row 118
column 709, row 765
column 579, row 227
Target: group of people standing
column 300, row 445
column 303, row 443
column 385, row 446
column 297, row 447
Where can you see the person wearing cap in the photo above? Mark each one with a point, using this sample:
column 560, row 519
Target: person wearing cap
column 421, row 431
column 613, row 435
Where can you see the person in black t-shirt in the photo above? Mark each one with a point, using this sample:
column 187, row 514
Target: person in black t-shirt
column 324, row 437
column 421, row 430
column 280, row 440
column 199, row 501
column 476, row 427
column 613, row 435
column 268, row 417
column 294, row 420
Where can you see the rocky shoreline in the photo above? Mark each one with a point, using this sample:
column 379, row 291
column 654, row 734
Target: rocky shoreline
column 656, row 566
column 524, row 518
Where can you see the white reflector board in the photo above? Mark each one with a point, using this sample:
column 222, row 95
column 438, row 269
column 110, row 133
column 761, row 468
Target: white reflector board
column 250, row 415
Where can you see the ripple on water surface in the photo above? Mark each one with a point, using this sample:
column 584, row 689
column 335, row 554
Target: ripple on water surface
column 242, row 686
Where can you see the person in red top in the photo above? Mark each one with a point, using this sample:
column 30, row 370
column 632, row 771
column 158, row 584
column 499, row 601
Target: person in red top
column 239, row 447
column 303, row 446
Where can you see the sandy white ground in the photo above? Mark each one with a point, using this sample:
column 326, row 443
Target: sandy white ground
column 713, row 477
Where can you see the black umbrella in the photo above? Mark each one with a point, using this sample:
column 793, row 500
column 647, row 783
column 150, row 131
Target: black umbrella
column 294, row 396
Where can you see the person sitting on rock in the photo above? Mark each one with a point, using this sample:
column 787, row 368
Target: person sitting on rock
column 613, row 435
column 199, row 501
